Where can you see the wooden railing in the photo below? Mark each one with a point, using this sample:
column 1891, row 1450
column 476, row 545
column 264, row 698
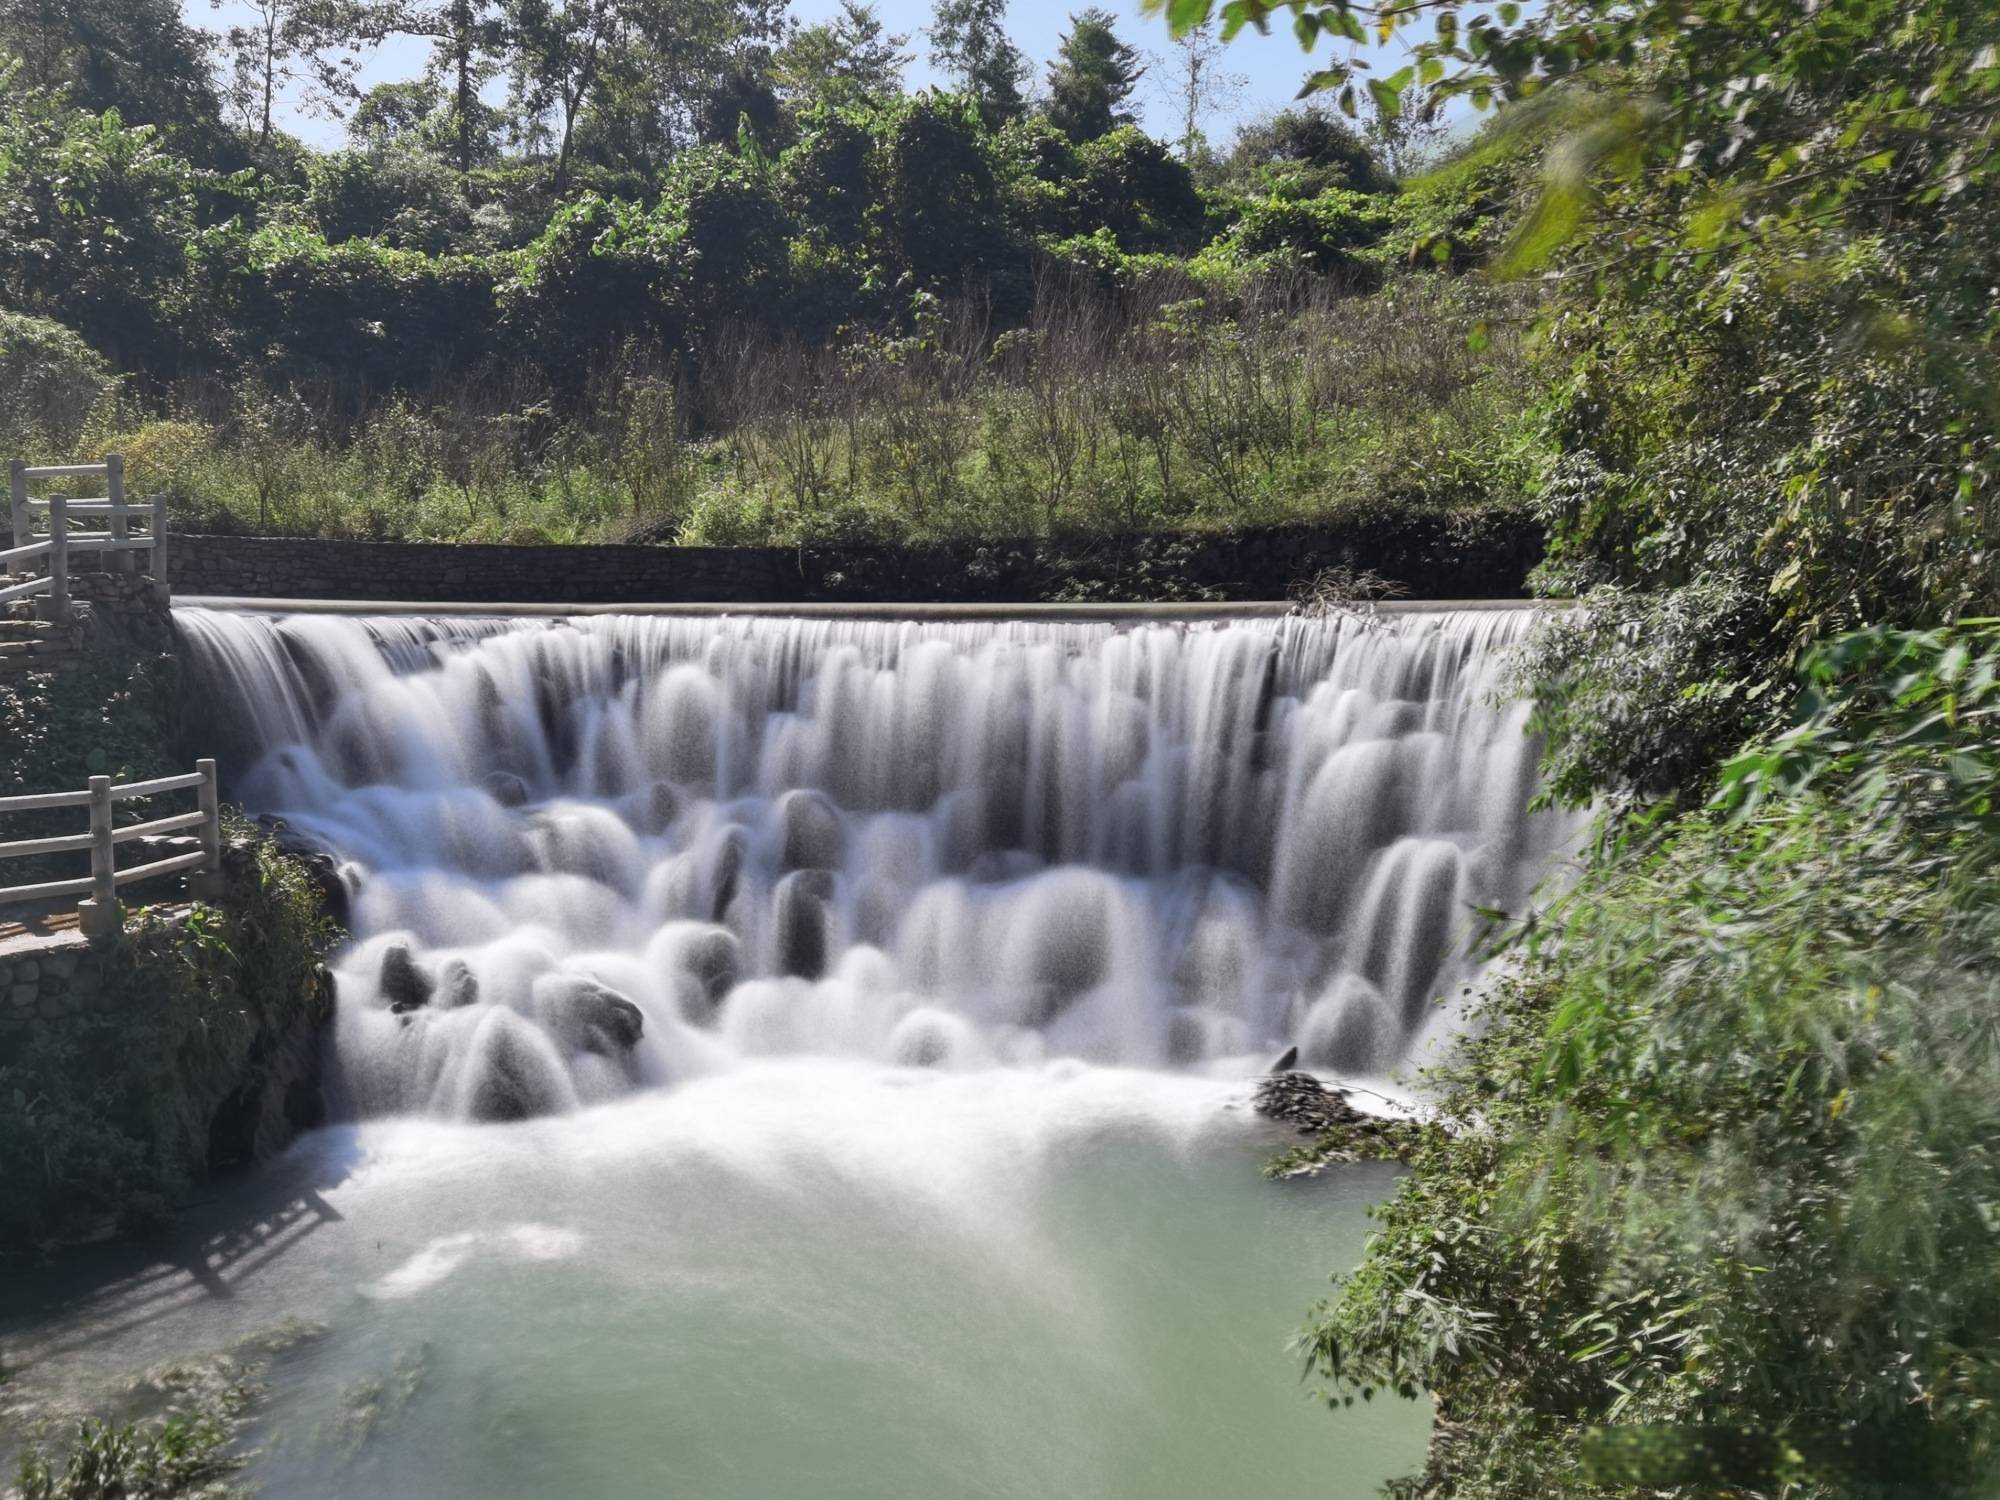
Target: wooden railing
column 99, row 914
column 28, row 575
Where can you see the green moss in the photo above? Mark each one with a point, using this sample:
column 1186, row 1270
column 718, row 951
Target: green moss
column 105, row 1119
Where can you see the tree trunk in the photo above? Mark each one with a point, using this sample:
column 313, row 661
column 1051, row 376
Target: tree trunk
column 462, row 28
column 270, row 72
column 562, row 151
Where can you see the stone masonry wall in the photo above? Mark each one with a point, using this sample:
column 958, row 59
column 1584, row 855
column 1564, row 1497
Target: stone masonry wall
column 45, row 982
column 114, row 617
column 1484, row 556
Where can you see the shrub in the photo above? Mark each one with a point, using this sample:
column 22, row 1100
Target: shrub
column 1704, row 1205
column 50, row 382
column 402, row 195
column 1324, row 233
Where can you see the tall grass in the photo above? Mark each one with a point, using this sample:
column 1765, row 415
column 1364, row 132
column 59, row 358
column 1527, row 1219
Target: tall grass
column 1155, row 410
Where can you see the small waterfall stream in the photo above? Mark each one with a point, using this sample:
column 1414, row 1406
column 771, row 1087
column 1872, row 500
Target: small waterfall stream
column 593, row 855
column 832, row 923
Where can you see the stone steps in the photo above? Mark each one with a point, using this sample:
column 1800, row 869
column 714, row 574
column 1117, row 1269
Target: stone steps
column 39, row 645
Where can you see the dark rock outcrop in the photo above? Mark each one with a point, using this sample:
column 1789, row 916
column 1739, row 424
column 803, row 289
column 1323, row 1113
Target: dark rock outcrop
column 404, row 982
column 802, row 903
column 715, row 960
column 457, row 986
column 1301, row 1100
column 812, row 832
column 586, row 1016
column 505, row 788
column 514, row 1081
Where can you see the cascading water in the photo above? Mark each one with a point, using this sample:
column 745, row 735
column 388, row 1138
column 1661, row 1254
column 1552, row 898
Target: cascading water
column 596, row 854
column 872, row 899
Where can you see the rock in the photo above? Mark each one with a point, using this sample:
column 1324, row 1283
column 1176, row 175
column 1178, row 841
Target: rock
column 715, row 960
column 457, row 986
column 926, row 1039
column 1287, row 1060
column 505, row 788
column 403, row 983
column 1302, row 1100
column 656, row 808
column 1349, row 1030
column 322, row 868
column 1187, row 1037
column 812, row 832
column 586, row 1016
column 801, row 903
column 513, row 1080
column 727, row 872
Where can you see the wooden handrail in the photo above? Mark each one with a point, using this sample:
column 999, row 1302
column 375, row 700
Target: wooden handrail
column 115, row 540
column 99, row 914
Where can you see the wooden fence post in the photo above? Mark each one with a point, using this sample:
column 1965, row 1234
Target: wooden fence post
column 59, row 558
column 98, row 915
column 118, row 560
column 162, row 589
column 17, row 484
column 206, row 883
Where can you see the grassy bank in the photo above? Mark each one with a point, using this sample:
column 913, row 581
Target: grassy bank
column 1160, row 410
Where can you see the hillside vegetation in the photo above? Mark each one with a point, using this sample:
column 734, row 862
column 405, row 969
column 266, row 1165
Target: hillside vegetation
column 1707, row 1206
column 752, row 292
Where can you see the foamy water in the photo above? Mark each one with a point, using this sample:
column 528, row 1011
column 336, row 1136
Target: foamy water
column 943, row 845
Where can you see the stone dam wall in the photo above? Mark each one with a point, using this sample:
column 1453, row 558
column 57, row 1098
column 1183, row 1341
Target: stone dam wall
column 1483, row 556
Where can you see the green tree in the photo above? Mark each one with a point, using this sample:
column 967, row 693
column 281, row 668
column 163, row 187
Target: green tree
column 402, row 194
column 969, row 43
column 628, row 84
column 1770, row 236
column 1198, row 86
column 1300, row 153
column 936, row 206
column 138, row 57
column 95, row 222
column 1092, row 75
column 560, row 52
column 305, row 43
column 468, row 39
column 399, row 113
column 850, row 59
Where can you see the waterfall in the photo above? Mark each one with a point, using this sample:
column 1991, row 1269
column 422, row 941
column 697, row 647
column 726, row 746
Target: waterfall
column 595, row 854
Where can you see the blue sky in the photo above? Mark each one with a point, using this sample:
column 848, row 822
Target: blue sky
column 1271, row 67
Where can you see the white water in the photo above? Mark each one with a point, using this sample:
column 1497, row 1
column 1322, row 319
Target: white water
column 798, row 1277
column 929, row 1172
column 947, row 845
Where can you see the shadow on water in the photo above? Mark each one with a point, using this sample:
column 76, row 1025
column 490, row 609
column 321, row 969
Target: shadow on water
column 99, row 1295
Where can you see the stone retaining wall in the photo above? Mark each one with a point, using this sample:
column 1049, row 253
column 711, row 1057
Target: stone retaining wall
column 116, row 617
column 1481, row 556
column 45, row 982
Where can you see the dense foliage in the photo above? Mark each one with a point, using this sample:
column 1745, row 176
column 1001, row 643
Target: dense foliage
column 1709, row 1202
column 591, row 325
column 1706, row 1207
column 105, row 1120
